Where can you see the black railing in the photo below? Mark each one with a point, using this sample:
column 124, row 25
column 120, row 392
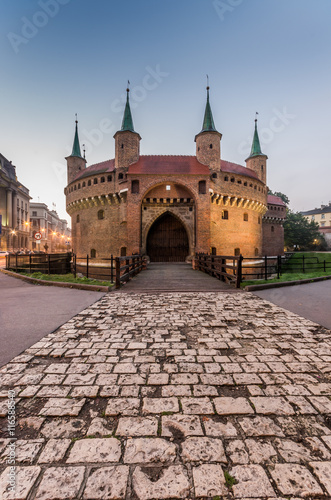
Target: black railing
column 127, row 267
column 50, row 263
column 98, row 269
column 225, row 268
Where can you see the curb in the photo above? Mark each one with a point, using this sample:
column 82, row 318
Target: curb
column 78, row 286
column 266, row 286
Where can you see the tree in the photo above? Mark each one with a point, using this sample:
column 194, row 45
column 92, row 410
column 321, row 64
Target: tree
column 280, row 195
column 299, row 232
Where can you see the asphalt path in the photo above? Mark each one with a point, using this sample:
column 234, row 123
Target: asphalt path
column 312, row 301
column 29, row 312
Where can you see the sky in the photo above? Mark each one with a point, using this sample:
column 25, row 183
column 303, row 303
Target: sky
column 62, row 57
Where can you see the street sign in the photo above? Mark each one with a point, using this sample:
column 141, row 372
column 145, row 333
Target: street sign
column 37, row 236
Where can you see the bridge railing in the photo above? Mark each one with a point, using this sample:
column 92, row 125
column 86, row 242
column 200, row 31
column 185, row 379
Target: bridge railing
column 224, row 267
column 127, row 267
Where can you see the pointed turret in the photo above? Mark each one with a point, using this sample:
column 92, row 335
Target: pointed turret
column 257, row 161
column 208, row 121
column 126, row 140
column 75, row 162
column 208, row 141
column 256, row 147
column 127, row 122
column 76, row 146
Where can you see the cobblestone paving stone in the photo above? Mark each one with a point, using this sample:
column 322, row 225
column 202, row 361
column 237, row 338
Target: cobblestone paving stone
column 172, row 395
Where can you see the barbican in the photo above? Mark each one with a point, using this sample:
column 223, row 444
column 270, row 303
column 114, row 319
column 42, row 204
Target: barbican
column 170, row 207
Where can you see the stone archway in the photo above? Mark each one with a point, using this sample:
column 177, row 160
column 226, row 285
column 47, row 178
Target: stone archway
column 167, row 240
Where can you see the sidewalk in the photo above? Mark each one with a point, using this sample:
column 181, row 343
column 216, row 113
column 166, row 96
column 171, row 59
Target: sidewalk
column 29, row 312
column 173, row 395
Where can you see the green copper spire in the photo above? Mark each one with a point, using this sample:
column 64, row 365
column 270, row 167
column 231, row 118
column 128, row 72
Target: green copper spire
column 76, row 146
column 208, row 121
column 127, row 123
column 256, row 147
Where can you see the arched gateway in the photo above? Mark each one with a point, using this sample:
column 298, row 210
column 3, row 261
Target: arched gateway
column 167, row 240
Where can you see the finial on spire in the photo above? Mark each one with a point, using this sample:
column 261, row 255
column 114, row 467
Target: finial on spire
column 84, row 151
column 207, row 82
column 256, row 116
column 127, row 123
column 76, row 121
column 128, row 87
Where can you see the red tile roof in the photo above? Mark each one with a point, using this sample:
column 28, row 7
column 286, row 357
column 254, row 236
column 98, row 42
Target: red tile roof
column 97, row 168
column 234, row 168
column 275, row 200
column 166, row 164
column 171, row 164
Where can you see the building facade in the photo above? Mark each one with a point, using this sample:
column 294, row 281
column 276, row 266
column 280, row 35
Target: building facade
column 323, row 218
column 170, row 207
column 14, row 209
column 55, row 234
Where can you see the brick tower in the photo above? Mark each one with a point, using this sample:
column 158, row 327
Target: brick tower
column 208, row 141
column 126, row 141
column 75, row 162
column 257, row 161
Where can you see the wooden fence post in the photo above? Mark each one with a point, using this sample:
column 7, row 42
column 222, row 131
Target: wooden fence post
column 111, row 269
column 118, row 272
column 239, row 271
column 87, row 266
column 265, row 267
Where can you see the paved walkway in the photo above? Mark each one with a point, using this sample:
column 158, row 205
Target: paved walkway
column 179, row 277
column 172, row 396
column 312, row 301
column 29, row 312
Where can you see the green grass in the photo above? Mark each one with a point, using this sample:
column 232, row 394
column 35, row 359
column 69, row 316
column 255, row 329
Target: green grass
column 292, row 271
column 67, row 278
column 229, row 480
column 287, row 277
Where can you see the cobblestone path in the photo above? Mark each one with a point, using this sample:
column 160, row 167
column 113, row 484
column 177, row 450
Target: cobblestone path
column 167, row 396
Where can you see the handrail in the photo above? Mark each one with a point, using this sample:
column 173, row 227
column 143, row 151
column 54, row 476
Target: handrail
column 133, row 265
column 216, row 266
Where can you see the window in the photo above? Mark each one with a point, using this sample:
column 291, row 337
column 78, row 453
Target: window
column 226, row 178
column 84, row 184
column 213, row 251
column 210, row 146
column 95, row 181
column 75, row 187
column 122, row 146
column 101, row 214
column 245, row 217
column 168, row 188
column 322, row 216
column 237, row 251
column 255, row 187
column 77, row 218
column 256, row 252
column 232, row 179
column 79, row 186
column 34, row 214
column 120, row 176
column 225, row 214
column 202, row 187
column 102, row 179
column 239, row 182
column 93, row 253
column 109, row 178
column 214, row 175
column 18, row 202
column 272, row 229
column 245, row 183
column 123, row 251
column 313, row 217
column 259, row 220
column 135, row 187
column 322, row 224
column 262, row 168
column 89, row 182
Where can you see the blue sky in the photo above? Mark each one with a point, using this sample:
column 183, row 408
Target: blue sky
column 61, row 57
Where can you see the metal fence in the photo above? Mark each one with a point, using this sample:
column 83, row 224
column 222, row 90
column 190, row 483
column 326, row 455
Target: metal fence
column 50, row 263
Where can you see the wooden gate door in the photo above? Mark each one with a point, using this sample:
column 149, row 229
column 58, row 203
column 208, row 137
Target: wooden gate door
column 167, row 240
